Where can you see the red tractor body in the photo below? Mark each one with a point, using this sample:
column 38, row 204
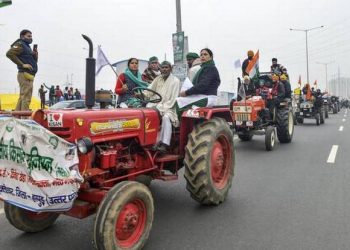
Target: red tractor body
column 246, row 112
column 118, row 159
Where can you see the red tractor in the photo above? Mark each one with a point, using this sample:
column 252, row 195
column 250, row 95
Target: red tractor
column 117, row 163
column 262, row 115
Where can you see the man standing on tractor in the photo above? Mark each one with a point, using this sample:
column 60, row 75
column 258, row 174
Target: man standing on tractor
column 245, row 63
column 276, row 68
column 168, row 86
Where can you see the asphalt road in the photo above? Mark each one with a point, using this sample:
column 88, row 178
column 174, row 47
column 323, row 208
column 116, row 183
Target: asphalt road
column 290, row 198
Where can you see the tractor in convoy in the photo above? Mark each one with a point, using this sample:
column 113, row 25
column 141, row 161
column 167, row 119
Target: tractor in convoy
column 312, row 108
column 117, row 163
column 334, row 104
column 263, row 114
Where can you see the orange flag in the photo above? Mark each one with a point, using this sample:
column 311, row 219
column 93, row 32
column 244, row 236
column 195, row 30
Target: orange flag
column 299, row 81
column 315, row 83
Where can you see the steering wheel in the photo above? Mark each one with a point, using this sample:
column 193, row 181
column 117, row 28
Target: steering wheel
column 138, row 93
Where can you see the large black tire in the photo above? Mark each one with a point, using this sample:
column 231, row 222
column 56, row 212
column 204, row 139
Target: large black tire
column 322, row 116
column 124, row 218
column 270, row 138
column 245, row 137
column 144, row 179
column 285, row 125
column 209, row 161
column 317, row 117
column 28, row 221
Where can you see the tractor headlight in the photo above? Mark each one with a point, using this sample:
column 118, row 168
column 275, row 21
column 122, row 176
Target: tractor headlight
column 85, row 145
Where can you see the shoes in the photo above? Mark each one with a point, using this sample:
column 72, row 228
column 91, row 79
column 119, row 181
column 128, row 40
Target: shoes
column 161, row 147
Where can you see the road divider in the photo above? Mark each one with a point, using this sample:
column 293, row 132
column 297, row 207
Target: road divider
column 341, row 128
column 332, row 154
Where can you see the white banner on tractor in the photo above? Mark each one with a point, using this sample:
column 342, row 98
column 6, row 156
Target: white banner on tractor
column 38, row 170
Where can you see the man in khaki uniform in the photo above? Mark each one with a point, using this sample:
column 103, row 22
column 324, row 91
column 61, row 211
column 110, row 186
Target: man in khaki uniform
column 26, row 60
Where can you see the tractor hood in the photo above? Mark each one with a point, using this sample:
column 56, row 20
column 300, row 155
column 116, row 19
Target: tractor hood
column 102, row 125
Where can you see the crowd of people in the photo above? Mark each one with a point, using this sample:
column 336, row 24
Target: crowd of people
column 281, row 87
column 56, row 94
column 158, row 78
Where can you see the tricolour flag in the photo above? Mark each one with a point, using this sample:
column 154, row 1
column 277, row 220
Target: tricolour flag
column 101, row 60
column 253, row 66
column 299, row 81
column 237, row 64
column 5, row 3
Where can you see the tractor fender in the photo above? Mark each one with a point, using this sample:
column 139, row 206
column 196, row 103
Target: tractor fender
column 192, row 117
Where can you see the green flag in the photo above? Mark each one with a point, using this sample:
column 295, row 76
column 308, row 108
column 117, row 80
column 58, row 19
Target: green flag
column 5, row 3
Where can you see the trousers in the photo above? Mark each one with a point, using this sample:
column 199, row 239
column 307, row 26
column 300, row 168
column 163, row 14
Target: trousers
column 25, row 92
column 165, row 131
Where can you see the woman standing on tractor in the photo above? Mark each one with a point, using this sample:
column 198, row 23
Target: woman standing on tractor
column 126, row 81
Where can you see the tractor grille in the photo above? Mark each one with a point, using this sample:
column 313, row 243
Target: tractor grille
column 242, row 117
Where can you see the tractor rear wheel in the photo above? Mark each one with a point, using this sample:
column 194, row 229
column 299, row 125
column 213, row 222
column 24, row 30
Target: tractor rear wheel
column 270, row 138
column 28, row 221
column 285, row 125
column 124, row 218
column 209, row 161
column 326, row 112
column 245, row 137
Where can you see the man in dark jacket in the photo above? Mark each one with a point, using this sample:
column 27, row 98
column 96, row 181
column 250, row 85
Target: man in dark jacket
column 276, row 68
column 26, row 60
column 42, row 94
column 245, row 63
column 287, row 87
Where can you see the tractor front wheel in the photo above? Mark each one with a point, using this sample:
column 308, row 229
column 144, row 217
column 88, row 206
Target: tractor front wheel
column 317, row 117
column 209, row 161
column 28, row 221
column 270, row 138
column 124, row 218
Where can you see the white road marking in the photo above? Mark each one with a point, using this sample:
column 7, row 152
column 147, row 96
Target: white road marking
column 332, row 154
column 2, row 211
column 341, row 128
column 344, row 120
column 344, row 115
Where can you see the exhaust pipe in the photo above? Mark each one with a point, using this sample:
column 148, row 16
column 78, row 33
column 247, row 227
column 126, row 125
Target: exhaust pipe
column 90, row 76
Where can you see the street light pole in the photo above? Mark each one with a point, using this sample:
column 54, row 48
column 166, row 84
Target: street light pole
column 326, row 66
column 178, row 16
column 307, row 49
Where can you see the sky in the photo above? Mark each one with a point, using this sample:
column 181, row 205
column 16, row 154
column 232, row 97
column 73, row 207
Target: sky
column 135, row 28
